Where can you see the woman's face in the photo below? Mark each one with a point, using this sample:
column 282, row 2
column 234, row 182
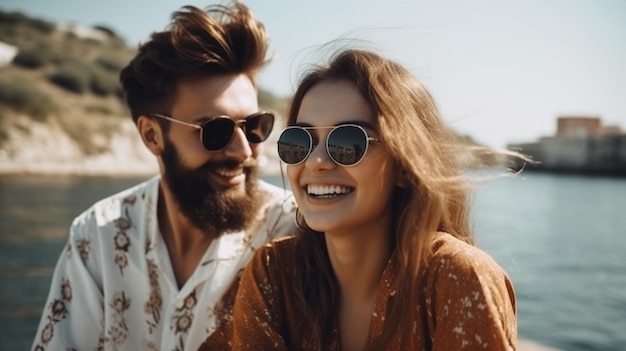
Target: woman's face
column 335, row 198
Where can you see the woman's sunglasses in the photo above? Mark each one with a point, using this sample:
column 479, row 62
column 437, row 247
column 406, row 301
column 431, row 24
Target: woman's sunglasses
column 217, row 132
column 346, row 144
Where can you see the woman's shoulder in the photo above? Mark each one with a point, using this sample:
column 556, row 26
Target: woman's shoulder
column 450, row 255
column 275, row 254
column 280, row 246
column 466, row 293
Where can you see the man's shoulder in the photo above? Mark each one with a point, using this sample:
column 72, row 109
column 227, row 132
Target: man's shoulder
column 113, row 207
column 278, row 201
column 273, row 193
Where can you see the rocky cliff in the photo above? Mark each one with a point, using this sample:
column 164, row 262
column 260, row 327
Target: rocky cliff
column 32, row 147
column 46, row 148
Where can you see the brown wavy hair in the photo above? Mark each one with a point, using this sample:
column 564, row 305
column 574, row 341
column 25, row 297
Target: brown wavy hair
column 435, row 199
column 219, row 40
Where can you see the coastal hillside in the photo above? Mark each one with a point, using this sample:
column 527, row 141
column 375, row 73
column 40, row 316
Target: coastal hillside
column 61, row 106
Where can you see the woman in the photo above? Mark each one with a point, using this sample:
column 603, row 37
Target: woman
column 385, row 259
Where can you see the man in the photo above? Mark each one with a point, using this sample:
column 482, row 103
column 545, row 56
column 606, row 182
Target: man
column 155, row 267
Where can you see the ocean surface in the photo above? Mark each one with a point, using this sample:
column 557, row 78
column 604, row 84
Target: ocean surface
column 562, row 240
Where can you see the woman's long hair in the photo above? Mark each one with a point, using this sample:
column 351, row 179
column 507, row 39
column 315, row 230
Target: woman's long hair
column 435, row 199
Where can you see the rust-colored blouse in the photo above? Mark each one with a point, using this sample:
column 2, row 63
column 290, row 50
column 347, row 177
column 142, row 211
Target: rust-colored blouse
column 467, row 302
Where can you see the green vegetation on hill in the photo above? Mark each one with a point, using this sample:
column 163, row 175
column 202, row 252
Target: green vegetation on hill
column 72, row 79
column 73, row 63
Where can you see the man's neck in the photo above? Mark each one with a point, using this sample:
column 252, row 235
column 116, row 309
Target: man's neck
column 186, row 244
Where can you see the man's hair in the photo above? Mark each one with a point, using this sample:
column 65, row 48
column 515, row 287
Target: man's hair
column 219, row 40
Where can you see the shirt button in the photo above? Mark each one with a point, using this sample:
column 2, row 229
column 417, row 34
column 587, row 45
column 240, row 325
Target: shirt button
column 180, row 304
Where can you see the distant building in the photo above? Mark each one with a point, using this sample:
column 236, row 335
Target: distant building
column 7, row 53
column 612, row 130
column 578, row 126
column 581, row 145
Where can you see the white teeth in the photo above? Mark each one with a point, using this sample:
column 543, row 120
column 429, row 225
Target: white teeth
column 320, row 190
column 229, row 174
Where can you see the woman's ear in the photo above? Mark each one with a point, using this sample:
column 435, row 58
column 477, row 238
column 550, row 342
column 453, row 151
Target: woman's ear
column 151, row 134
column 403, row 179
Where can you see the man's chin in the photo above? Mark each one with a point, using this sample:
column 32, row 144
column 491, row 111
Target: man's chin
column 234, row 193
column 228, row 211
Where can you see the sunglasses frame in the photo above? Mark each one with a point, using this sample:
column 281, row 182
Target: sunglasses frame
column 241, row 123
column 312, row 146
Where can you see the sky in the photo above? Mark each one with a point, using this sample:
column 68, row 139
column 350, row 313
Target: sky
column 499, row 71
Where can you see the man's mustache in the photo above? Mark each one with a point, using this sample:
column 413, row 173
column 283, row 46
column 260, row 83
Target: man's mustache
column 212, row 165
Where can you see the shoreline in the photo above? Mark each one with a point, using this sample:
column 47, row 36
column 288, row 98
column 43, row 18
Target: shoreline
column 529, row 345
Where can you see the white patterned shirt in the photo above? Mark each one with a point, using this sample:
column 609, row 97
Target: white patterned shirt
column 114, row 287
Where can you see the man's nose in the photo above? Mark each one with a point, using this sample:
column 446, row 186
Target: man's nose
column 239, row 147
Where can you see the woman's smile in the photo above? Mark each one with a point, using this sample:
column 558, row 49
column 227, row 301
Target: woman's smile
column 327, row 190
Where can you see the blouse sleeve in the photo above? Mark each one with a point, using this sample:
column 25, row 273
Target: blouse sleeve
column 473, row 303
column 257, row 322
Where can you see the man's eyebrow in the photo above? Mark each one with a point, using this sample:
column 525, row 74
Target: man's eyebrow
column 199, row 120
column 207, row 117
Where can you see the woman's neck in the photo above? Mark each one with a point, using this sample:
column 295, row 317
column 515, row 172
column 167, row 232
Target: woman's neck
column 358, row 260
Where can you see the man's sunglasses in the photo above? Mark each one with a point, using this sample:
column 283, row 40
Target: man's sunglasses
column 217, row 132
column 346, row 144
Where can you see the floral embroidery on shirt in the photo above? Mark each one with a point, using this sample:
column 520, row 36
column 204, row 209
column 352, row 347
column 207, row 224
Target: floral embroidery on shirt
column 150, row 346
column 68, row 250
column 122, row 242
column 130, row 199
column 222, row 311
column 155, row 301
column 66, row 290
column 120, row 303
column 58, row 311
column 121, row 260
column 183, row 317
column 123, row 223
column 148, row 246
column 118, row 331
column 84, row 248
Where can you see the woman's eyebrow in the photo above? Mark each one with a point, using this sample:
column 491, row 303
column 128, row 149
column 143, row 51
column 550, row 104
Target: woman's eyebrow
column 361, row 123
column 301, row 124
column 364, row 124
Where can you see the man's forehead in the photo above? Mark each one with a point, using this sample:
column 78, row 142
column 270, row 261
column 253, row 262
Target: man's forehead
column 231, row 95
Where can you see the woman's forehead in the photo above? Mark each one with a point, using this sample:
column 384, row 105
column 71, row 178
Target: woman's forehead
column 335, row 102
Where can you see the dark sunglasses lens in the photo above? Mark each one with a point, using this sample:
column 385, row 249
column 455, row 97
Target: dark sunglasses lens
column 347, row 145
column 259, row 127
column 294, row 145
column 216, row 133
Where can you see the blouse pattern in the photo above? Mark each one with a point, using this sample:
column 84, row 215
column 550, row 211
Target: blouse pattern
column 467, row 302
column 114, row 287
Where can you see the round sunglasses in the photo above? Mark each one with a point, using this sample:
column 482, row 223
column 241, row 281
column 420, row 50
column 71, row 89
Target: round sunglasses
column 346, row 144
column 217, row 132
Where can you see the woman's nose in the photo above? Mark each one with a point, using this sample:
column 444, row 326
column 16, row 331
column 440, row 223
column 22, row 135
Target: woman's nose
column 319, row 158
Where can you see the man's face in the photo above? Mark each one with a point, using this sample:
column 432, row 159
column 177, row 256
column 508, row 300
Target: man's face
column 215, row 190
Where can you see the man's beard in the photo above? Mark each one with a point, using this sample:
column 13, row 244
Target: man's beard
column 214, row 211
